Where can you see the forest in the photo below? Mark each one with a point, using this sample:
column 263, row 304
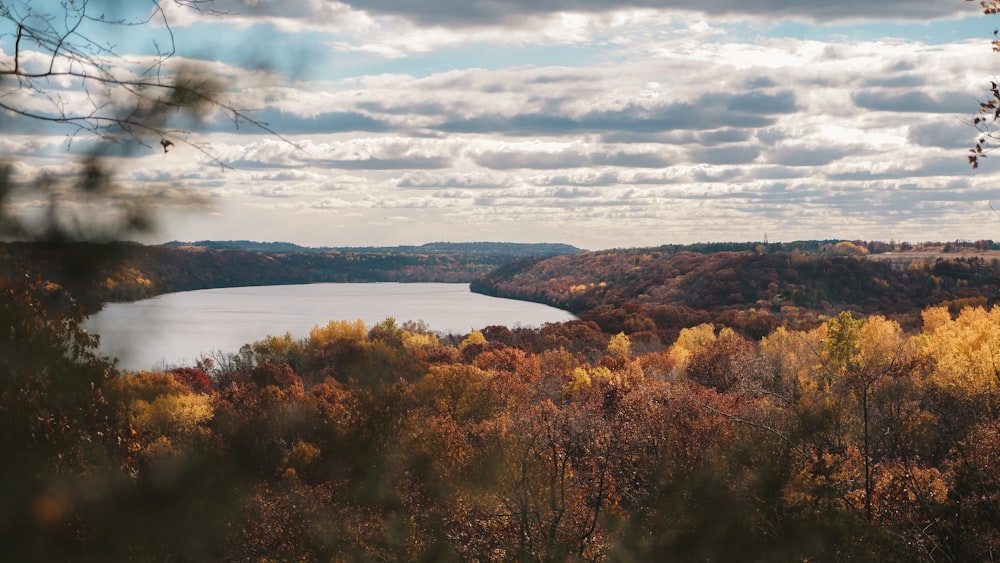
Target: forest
column 653, row 293
column 814, row 437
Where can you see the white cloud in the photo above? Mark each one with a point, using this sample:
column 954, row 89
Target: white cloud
column 287, row 15
column 641, row 124
column 484, row 13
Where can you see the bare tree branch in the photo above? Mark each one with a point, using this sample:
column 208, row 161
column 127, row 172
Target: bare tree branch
column 155, row 91
column 989, row 110
column 65, row 71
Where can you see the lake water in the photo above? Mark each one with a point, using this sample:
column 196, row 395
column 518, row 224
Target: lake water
column 178, row 328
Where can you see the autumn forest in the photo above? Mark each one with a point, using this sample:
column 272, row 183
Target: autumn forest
column 815, row 401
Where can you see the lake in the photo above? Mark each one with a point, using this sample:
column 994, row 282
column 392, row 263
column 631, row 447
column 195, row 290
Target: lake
column 179, row 328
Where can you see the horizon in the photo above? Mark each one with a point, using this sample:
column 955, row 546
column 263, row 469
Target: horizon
column 647, row 123
column 557, row 243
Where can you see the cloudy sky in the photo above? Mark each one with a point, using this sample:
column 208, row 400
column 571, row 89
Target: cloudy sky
column 599, row 124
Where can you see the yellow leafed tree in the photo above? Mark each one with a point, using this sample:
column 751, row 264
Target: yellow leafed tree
column 172, row 414
column 882, row 345
column 966, row 350
column 338, row 330
column 414, row 340
column 620, row 346
column 791, row 357
column 160, row 411
column 474, row 337
column 690, row 340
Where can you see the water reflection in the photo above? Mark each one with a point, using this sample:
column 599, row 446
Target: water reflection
column 179, row 328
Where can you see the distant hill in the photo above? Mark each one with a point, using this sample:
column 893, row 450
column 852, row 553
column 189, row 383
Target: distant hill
column 247, row 245
column 495, row 248
column 98, row 273
column 651, row 290
column 498, row 248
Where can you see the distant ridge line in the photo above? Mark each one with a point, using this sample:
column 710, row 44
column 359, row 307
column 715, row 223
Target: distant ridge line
column 517, row 248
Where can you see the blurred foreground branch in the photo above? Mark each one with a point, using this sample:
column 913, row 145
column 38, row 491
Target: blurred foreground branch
column 989, row 110
column 67, row 74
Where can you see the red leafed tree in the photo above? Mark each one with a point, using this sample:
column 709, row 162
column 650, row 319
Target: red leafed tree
column 193, row 378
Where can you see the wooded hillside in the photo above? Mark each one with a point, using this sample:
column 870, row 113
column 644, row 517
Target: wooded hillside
column 127, row 272
column 660, row 292
column 851, row 441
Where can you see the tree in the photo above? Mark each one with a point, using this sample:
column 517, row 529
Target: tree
column 966, row 350
column 620, row 346
column 857, row 354
column 50, row 422
column 158, row 415
column 727, row 363
column 690, row 340
column 193, row 378
column 76, row 491
column 975, row 533
column 65, row 75
column 120, row 100
column 989, row 110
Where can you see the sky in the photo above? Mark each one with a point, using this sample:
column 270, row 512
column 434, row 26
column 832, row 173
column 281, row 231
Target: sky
column 593, row 123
